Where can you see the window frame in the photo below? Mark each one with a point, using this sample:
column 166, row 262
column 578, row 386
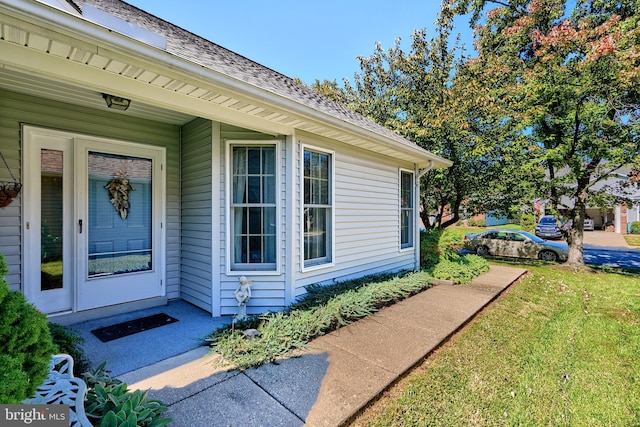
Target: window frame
column 410, row 245
column 239, row 269
column 329, row 259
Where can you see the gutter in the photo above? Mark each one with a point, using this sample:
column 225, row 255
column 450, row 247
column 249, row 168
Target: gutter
column 104, row 38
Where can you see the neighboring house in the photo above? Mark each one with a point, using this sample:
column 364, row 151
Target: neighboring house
column 618, row 216
column 206, row 167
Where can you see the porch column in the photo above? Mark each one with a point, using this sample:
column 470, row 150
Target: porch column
column 617, row 219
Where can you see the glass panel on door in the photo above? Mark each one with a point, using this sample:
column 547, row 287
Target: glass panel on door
column 120, row 215
column 51, row 219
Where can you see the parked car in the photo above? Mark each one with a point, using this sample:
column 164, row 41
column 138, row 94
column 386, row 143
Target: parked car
column 515, row 243
column 548, row 228
column 589, row 225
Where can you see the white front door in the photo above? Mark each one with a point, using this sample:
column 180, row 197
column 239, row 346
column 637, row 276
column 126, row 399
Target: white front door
column 99, row 208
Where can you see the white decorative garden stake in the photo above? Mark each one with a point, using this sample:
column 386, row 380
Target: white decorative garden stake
column 242, row 294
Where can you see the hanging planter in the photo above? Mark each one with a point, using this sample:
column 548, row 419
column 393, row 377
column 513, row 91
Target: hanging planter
column 118, row 189
column 8, row 190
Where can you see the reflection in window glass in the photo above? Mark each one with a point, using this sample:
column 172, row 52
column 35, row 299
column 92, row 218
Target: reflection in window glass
column 406, row 210
column 120, row 214
column 317, row 207
column 253, row 207
column 51, row 214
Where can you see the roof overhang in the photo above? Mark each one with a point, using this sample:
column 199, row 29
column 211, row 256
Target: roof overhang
column 49, row 43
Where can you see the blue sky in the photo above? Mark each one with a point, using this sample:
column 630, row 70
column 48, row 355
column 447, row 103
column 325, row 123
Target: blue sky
column 309, row 40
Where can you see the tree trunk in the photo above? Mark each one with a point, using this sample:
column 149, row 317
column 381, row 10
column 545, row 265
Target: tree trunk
column 575, row 234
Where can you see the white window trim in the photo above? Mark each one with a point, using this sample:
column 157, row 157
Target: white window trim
column 228, row 191
column 331, row 248
column 413, row 211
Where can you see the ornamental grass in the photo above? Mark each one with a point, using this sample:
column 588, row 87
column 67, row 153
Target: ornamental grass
column 322, row 310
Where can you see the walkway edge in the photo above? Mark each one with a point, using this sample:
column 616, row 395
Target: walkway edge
column 409, row 332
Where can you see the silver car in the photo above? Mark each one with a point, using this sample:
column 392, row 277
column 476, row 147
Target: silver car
column 589, row 225
column 515, row 243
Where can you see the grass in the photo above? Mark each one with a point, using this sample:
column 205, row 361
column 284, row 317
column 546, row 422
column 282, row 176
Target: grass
column 558, row 349
column 632, row 239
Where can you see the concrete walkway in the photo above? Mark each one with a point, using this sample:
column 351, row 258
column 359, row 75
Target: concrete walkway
column 327, row 383
column 604, row 238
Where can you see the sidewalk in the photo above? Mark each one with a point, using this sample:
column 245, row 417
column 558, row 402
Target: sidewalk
column 333, row 378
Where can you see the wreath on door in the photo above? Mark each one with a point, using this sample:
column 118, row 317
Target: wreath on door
column 8, row 190
column 119, row 188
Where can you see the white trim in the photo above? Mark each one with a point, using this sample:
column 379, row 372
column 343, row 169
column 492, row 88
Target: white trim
column 332, row 244
column 99, row 38
column 81, row 143
column 413, row 210
column 291, row 253
column 228, row 191
column 216, row 229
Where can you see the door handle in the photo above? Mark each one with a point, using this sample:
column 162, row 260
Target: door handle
column 80, row 225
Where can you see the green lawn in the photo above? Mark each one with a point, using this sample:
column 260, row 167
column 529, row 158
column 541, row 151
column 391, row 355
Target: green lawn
column 558, row 349
column 632, row 239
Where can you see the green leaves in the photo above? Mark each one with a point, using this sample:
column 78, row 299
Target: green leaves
column 110, row 404
column 283, row 332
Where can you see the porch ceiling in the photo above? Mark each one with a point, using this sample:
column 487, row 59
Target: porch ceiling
column 39, row 86
column 50, row 53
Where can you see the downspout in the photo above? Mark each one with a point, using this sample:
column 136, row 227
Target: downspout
column 416, row 234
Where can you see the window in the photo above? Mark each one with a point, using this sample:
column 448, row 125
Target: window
column 253, row 207
column 406, row 210
column 317, row 207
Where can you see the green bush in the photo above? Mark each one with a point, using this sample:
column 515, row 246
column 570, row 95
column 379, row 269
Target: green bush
column 460, row 270
column 481, row 223
column 109, row 403
column 70, row 342
column 635, row 227
column 25, row 344
column 429, row 249
column 527, row 221
column 437, row 245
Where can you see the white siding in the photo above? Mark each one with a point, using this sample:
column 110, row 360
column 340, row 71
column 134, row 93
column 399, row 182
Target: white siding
column 196, row 247
column 366, row 228
column 16, row 109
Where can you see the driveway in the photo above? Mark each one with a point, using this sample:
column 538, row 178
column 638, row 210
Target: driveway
column 603, row 238
column 611, row 249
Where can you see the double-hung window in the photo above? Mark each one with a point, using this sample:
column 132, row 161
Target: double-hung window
column 406, row 209
column 253, row 207
column 317, row 207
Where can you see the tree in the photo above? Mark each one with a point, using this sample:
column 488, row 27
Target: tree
column 573, row 79
column 426, row 95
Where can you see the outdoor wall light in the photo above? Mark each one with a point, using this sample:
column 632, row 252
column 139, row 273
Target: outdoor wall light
column 116, row 102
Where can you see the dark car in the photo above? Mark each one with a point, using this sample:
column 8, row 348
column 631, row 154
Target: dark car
column 515, row 243
column 548, row 228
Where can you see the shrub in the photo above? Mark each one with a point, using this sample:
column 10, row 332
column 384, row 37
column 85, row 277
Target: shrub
column 635, row 227
column 460, row 270
column 527, row 221
column 25, row 344
column 481, row 223
column 429, row 249
column 437, row 245
column 70, row 342
column 110, row 403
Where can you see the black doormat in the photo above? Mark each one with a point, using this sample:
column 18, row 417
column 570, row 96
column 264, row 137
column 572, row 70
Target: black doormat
column 113, row 332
